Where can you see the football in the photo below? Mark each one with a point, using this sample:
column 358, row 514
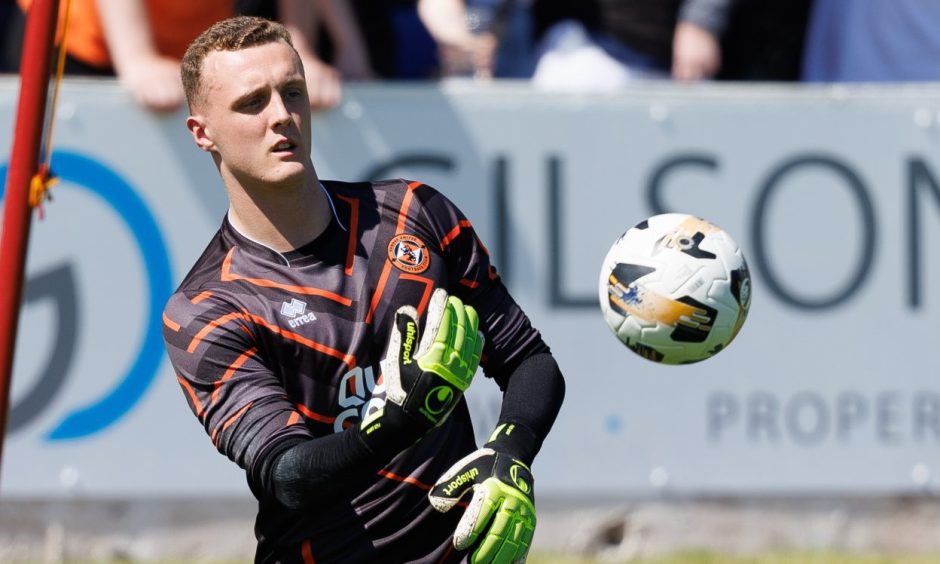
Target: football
column 675, row 289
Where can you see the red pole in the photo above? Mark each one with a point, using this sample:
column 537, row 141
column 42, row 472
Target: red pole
column 35, row 64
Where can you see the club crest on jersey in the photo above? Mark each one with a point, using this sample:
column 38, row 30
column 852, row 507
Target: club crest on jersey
column 409, row 253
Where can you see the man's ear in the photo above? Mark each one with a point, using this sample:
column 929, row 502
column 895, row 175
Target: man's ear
column 197, row 127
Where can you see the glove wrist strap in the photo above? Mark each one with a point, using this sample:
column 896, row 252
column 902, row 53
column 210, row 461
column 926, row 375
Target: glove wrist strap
column 395, row 433
column 516, row 440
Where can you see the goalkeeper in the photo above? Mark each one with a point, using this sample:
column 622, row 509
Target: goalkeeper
column 326, row 336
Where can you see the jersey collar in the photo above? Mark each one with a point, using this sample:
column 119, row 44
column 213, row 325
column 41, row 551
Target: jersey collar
column 261, row 250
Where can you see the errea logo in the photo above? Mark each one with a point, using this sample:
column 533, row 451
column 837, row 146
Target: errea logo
column 294, row 310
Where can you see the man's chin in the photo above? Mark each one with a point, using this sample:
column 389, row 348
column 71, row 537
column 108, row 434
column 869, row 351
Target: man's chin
column 286, row 174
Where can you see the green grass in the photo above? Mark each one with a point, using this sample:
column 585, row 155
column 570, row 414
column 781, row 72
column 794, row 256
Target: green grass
column 767, row 558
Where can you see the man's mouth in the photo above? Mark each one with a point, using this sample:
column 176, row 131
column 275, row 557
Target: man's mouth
column 284, row 146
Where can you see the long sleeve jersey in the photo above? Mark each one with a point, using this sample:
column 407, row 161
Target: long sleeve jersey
column 270, row 347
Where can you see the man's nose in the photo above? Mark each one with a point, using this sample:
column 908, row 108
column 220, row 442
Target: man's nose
column 280, row 115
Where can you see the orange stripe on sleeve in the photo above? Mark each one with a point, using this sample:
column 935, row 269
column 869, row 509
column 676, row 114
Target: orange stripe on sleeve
column 236, row 417
column 453, row 233
column 353, row 233
column 405, row 479
column 202, row 296
column 310, row 414
column 172, row 325
column 307, row 553
column 231, row 371
column 228, row 276
column 229, row 422
column 469, row 283
column 192, row 395
column 209, row 328
column 293, row 419
column 405, row 204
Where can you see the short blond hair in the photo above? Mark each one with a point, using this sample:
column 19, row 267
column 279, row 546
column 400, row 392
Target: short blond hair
column 233, row 34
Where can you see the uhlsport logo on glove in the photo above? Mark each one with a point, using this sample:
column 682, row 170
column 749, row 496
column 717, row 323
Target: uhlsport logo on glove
column 520, row 476
column 437, row 402
column 460, row 480
column 411, row 329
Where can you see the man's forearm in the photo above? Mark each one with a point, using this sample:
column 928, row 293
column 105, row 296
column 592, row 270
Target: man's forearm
column 320, row 469
column 533, row 396
column 316, row 470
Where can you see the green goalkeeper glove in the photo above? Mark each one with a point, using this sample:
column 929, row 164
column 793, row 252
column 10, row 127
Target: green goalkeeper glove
column 425, row 374
column 501, row 513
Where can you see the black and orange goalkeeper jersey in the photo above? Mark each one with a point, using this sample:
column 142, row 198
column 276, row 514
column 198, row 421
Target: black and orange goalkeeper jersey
column 270, row 347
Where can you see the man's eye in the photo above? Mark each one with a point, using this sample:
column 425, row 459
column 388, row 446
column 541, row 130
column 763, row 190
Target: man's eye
column 249, row 104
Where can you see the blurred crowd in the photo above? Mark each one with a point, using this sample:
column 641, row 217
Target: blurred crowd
column 570, row 45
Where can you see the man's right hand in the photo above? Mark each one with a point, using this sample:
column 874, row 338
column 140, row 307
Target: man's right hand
column 425, row 373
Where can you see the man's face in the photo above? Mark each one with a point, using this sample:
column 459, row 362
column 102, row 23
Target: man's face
column 253, row 114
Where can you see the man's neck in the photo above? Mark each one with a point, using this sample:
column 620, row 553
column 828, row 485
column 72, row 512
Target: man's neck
column 283, row 218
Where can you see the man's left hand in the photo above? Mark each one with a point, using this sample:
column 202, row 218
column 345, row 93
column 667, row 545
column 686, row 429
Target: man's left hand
column 501, row 513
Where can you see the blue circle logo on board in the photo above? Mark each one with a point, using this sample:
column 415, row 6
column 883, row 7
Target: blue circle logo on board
column 98, row 179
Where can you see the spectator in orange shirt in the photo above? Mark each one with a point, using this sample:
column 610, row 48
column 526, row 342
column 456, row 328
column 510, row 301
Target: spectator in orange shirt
column 142, row 42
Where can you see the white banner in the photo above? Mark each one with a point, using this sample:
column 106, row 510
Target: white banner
column 834, row 195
